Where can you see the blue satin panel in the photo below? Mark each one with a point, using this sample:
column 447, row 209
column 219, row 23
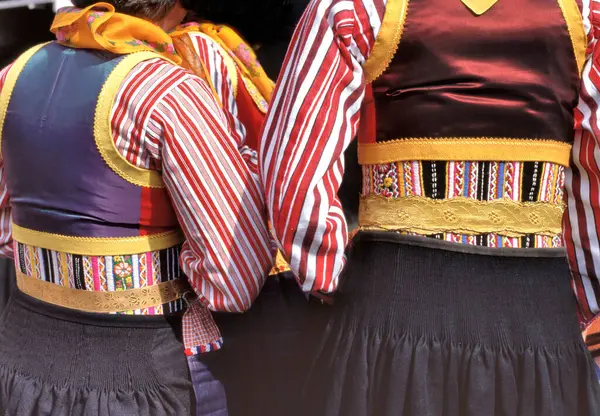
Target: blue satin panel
column 57, row 179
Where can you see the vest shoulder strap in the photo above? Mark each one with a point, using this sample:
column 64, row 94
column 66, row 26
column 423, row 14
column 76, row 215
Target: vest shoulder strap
column 10, row 82
column 103, row 130
column 387, row 41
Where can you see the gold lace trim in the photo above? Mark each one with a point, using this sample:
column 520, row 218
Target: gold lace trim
column 574, row 21
column 103, row 129
column 11, row 81
column 102, row 302
column 97, row 246
column 427, row 216
column 259, row 100
column 465, row 148
column 388, row 39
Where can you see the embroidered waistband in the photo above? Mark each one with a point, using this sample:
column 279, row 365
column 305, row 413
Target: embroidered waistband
column 103, row 273
column 427, row 216
column 103, row 302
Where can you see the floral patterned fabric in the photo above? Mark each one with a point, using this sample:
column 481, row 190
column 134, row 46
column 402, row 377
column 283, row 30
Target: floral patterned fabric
column 103, row 273
column 473, row 180
column 100, row 27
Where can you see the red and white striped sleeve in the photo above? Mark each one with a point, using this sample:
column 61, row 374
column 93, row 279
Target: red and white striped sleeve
column 312, row 119
column 6, row 247
column 218, row 201
column 213, row 56
column 225, row 78
column 582, row 220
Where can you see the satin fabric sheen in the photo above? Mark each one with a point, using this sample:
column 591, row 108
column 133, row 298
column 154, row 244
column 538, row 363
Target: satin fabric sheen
column 510, row 72
column 68, row 188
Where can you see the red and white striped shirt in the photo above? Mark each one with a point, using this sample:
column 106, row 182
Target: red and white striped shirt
column 582, row 222
column 212, row 56
column 312, row 120
column 167, row 119
column 314, row 116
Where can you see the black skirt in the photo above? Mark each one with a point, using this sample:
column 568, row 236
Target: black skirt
column 419, row 331
column 59, row 362
column 7, row 281
column 261, row 365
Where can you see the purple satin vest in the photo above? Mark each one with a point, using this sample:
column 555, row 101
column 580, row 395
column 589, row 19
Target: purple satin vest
column 58, row 181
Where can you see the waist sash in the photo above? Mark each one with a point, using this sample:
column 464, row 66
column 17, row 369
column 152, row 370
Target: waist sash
column 103, row 302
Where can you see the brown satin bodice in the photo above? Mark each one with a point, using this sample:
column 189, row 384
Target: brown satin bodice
column 467, row 123
column 510, row 72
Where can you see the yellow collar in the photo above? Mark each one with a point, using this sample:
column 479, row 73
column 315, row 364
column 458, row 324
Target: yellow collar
column 100, row 27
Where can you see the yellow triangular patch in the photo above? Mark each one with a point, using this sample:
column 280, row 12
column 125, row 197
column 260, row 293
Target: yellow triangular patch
column 479, row 7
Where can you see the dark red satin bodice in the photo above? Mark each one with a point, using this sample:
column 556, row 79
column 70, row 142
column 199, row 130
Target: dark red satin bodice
column 510, row 72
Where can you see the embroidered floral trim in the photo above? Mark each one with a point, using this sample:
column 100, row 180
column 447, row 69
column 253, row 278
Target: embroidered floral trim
column 504, row 180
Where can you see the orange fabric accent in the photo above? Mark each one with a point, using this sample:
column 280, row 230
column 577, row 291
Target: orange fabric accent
column 367, row 129
column 156, row 212
column 250, row 116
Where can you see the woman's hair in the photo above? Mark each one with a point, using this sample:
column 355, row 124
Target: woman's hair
column 146, row 9
column 259, row 21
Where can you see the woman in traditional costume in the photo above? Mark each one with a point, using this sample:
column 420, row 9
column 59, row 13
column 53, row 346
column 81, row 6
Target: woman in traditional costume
column 257, row 365
column 473, row 119
column 132, row 211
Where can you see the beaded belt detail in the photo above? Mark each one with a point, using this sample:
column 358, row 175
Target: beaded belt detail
column 103, row 302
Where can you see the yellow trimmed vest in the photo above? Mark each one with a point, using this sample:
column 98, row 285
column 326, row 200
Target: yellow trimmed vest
column 467, row 123
column 84, row 218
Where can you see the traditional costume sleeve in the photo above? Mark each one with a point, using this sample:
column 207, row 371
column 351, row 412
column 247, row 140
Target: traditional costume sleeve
column 217, row 199
column 582, row 222
column 312, row 119
column 222, row 76
column 6, row 247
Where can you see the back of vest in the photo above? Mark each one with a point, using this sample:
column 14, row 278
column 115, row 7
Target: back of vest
column 58, row 151
column 468, row 120
column 509, row 73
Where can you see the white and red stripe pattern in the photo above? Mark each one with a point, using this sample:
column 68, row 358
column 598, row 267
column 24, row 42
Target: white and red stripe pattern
column 213, row 56
column 218, row 201
column 314, row 115
column 582, row 222
column 313, row 118
column 167, row 119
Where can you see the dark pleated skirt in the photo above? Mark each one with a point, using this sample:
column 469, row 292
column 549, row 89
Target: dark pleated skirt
column 7, row 281
column 417, row 332
column 58, row 362
column 261, row 365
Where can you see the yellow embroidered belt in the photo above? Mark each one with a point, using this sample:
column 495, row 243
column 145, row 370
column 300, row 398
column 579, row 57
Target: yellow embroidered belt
column 103, row 302
column 428, row 216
